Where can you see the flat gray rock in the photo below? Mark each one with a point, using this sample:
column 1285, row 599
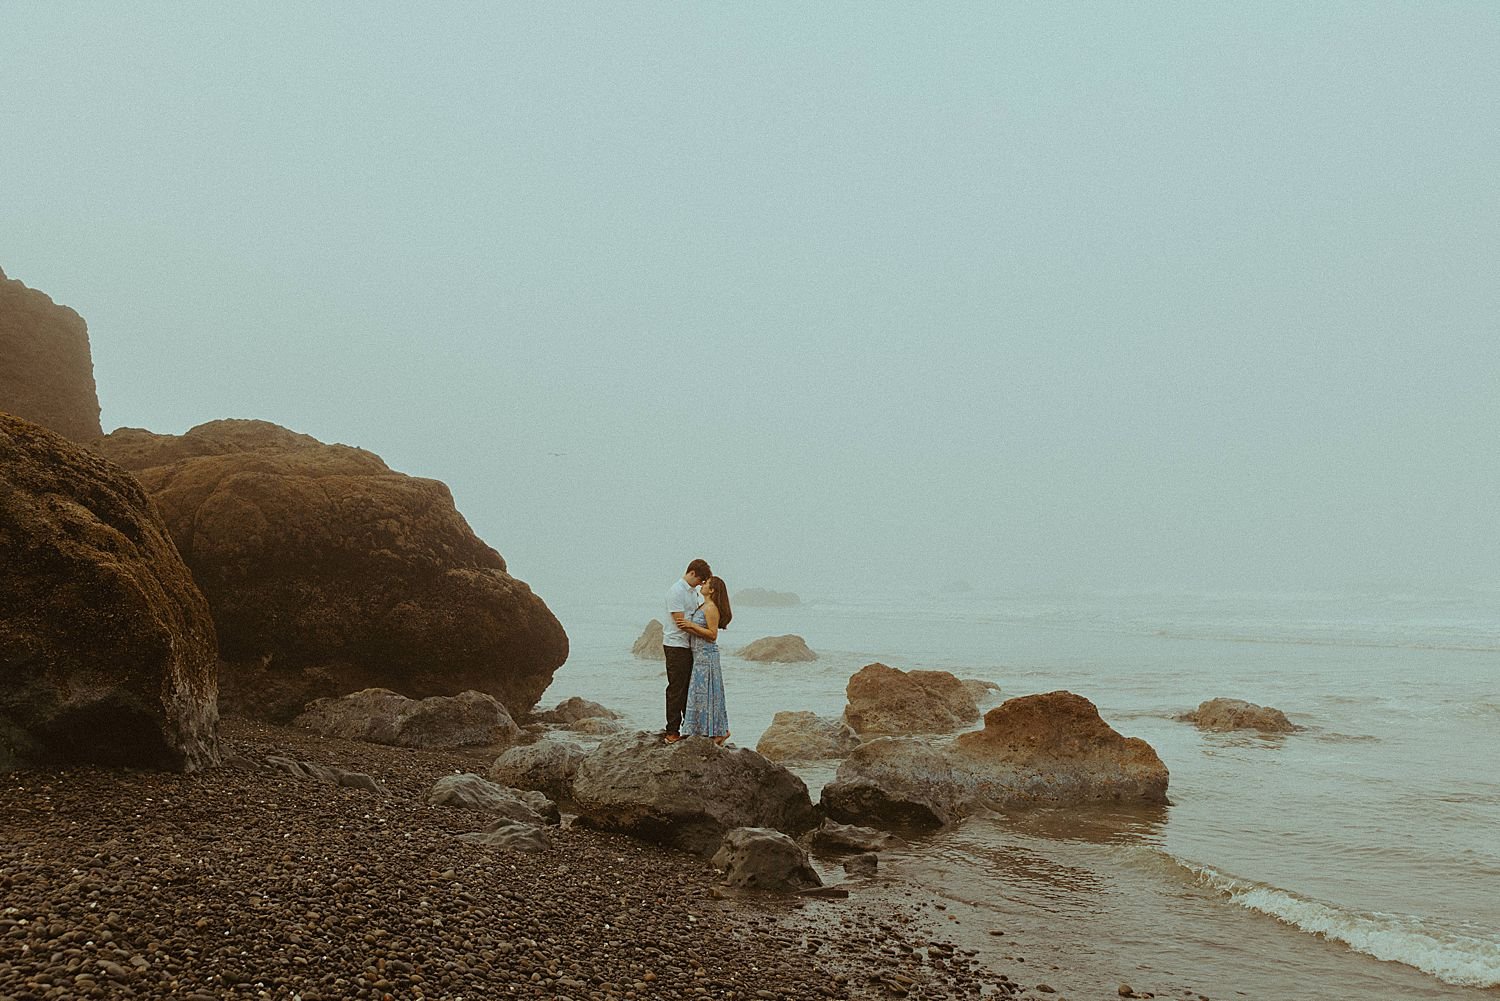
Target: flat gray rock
column 511, row 835
column 474, row 792
column 381, row 716
column 688, row 794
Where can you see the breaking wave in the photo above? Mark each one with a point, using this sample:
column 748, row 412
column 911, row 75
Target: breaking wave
column 1453, row 958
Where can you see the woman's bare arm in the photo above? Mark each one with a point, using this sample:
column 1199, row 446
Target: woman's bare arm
column 709, row 632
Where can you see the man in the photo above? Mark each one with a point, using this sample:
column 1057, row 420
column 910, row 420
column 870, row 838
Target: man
column 682, row 601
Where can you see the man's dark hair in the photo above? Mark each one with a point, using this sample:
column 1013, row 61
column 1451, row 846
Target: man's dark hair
column 701, row 568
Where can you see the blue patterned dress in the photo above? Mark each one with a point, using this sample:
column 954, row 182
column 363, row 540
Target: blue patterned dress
column 706, row 715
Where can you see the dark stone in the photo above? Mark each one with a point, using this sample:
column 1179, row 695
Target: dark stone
column 107, row 650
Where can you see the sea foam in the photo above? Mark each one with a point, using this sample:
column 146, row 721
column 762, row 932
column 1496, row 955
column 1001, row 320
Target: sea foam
column 1453, row 958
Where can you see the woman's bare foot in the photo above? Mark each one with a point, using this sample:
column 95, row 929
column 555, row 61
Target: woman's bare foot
column 720, row 739
column 671, row 738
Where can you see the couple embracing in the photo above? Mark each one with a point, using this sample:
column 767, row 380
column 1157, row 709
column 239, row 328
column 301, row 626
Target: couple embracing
column 697, row 608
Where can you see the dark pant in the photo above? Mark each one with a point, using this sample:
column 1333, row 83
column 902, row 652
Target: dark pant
column 679, row 673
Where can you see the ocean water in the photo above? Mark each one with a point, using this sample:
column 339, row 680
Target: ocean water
column 1359, row 856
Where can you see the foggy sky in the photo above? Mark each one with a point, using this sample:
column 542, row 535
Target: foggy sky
column 841, row 297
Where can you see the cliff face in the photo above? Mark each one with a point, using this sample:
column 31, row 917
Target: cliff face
column 46, row 370
column 328, row 572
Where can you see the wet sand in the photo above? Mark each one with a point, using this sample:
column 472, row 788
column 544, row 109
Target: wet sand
column 244, row 882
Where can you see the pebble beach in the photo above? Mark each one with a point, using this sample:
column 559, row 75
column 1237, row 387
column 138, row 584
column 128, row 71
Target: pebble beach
column 243, row 881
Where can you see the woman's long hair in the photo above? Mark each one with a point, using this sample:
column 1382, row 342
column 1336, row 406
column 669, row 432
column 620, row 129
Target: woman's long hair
column 721, row 601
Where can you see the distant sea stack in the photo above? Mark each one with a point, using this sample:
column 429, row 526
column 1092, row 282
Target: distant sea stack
column 759, row 597
column 107, row 650
column 328, row 573
column 46, row 370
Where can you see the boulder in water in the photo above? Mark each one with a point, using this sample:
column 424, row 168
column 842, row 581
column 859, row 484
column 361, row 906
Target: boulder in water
column 1235, row 714
column 805, row 736
column 981, row 691
column 834, row 836
column 1037, row 750
column 380, row 716
column 328, row 573
column 649, row 645
column 885, row 700
column 107, row 649
column 687, row 794
column 789, row 649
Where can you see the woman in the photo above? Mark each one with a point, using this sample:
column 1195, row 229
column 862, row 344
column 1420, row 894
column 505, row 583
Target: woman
column 706, row 715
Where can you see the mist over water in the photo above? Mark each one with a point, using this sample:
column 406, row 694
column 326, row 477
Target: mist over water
column 1145, row 351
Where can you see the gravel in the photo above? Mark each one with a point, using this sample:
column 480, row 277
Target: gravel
column 250, row 882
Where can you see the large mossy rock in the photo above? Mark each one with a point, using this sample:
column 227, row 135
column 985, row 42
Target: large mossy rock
column 329, row 573
column 688, row 794
column 46, row 370
column 1036, row 750
column 886, row 700
column 107, row 650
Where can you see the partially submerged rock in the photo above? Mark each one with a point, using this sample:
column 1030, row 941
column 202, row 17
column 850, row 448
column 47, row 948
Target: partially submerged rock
column 864, row 864
column 834, row 836
column 1235, row 714
column 380, row 716
column 1037, row 750
column 107, row 650
column 687, row 794
column 327, row 572
column 805, row 736
column 899, row 781
column 757, row 858
column 981, row 691
column 474, row 792
column 789, row 649
column 649, row 646
column 548, row 767
column 886, row 700
column 48, row 372
column 760, row 597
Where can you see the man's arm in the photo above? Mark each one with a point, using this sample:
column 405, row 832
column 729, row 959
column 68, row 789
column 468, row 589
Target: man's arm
column 680, row 613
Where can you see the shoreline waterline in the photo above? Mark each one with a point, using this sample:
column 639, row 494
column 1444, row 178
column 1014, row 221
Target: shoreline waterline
column 1378, row 807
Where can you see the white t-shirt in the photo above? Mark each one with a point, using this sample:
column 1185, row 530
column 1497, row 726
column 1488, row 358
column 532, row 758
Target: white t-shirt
column 684, row 599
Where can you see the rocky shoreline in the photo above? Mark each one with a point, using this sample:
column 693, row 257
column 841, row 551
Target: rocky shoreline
column 244, row 881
